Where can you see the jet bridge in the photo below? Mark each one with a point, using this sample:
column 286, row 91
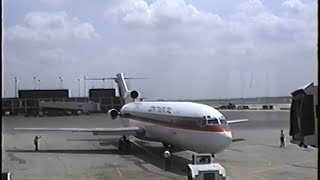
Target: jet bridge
column 304, row 114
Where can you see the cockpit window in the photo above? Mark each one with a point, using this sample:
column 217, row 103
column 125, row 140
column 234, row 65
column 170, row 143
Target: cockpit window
column 223, row 121
column 202, row 122
column 213, row 121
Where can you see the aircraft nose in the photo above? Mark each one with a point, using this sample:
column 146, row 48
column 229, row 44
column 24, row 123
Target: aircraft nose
column 228, row 134
column 227, row 131
column 224, row 142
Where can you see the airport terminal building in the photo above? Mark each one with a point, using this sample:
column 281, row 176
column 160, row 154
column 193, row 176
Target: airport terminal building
column 29, row 102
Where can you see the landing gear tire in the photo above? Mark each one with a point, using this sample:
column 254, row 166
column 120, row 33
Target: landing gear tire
column 189, row 174
column 167, row 157
column 124, row 144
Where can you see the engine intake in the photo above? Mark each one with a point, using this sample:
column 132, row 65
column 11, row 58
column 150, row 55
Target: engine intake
column 134, row 94
column 113, row 113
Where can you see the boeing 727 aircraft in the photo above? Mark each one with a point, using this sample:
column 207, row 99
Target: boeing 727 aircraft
column 185, row 125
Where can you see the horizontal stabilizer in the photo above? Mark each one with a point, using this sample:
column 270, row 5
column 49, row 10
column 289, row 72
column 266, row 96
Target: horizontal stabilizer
column 111, row 78
column 237, row 121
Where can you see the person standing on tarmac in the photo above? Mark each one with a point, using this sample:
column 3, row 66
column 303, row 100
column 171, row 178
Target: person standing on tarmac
column 282, row 138
column 35, row 141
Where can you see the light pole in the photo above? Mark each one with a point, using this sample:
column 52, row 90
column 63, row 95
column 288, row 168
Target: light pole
column 39, row 84
column 15, row 86
column 84, row 86
column 59, row 86
column 60, row 82
column 34, row 82
column 78, row 87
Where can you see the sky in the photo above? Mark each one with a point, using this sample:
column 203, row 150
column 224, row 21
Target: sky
column 188, row 49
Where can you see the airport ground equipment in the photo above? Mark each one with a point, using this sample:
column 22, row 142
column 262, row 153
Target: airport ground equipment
column 6, row 176
column 203, row 168
column 304, row 115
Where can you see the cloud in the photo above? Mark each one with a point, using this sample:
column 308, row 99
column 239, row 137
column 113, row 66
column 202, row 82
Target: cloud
column 177, row 36
column 54, row 3
column 293, row 6
column 58, row 55
column 251, row 7
column 185, row 50
column 46, row 27
column 160, row 12
column 177, row 20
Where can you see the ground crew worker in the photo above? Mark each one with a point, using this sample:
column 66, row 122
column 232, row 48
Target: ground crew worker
column 35, row 141
column 282, row 136
column 167, row 155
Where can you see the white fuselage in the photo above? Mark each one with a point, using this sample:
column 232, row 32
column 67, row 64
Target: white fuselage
column 186, row 125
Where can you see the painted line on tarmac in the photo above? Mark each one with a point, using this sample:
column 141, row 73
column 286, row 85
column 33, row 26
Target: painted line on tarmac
column 49, row 178
column 266, row 161
column 146, row 150
column 119, row 172
column 260, row 177
column 283, row 166
column 60, row 178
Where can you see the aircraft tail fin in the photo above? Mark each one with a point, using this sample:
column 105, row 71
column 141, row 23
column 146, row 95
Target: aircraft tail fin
column 122, row 85
column 126, row 95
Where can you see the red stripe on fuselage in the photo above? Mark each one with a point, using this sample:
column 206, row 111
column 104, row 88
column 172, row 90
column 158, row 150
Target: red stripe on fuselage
column 211, row 128
column 187, row 125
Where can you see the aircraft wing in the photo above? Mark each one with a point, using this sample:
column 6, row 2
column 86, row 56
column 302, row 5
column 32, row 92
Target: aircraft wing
column 95, row 131
column 237, row 121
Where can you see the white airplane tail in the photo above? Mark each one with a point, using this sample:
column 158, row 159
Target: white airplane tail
column 125, row 94
column 122, row 85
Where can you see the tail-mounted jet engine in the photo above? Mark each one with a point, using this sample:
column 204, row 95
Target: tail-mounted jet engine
column 113, row 113
column 134, row 94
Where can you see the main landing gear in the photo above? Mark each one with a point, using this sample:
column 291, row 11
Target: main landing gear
column 167, row 156
column 165, row 145
column 124, row 144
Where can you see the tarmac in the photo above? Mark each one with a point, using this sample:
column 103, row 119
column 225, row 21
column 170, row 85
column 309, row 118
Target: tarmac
column 71, row 156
